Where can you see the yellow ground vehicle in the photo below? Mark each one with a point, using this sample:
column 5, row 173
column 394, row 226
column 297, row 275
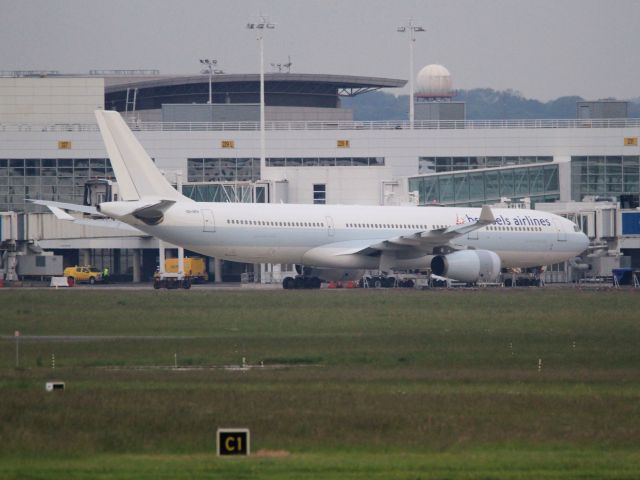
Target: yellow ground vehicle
column 194, row 272
column 84, row 273
column 194, row 267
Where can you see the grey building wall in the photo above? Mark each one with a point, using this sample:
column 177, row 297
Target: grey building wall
column 249, row 112
column 233, row 112
column 602, row 109
column 439, row 110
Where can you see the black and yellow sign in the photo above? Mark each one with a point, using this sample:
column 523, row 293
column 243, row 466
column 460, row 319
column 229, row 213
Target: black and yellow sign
column 343, row 144
column 64, row 145
column 233, row 441
column 630, row 141
column 228, row 144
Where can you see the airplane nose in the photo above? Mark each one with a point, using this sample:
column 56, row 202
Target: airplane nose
column 584, row 241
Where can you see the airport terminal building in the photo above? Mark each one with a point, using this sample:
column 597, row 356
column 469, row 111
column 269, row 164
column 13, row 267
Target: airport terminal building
column 203, row 133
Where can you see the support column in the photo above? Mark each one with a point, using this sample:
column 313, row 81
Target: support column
column 180, row 261
column 265, row 273
column 84, row 257
column 161, row 256
column 217, row 270
column 137, row 258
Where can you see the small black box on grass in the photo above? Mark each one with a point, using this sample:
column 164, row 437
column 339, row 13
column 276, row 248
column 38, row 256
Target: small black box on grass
column 233, row 441
column 54, row 386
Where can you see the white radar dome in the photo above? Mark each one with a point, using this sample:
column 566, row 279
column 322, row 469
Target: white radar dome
column 434, row 81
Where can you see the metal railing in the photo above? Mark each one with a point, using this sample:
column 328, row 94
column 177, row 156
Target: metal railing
column 337, row 125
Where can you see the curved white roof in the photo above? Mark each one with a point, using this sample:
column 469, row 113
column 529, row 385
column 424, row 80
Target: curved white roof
column 434, row 81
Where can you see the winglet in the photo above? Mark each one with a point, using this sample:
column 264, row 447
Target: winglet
column 60, row 214
column 486, row 216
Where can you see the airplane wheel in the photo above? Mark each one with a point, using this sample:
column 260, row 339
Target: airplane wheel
column 288, row 283
column 390, row 282
column 298, row 283
column 377, row 283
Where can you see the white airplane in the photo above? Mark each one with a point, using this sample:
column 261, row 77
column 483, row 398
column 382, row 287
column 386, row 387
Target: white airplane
column 466, row 244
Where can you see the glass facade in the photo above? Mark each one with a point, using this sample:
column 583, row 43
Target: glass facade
column 223, row 169
column 58, row 179
column 236, row 193
column 326, row 162
column 475, row 188
column 604, row 175
column 452, row 164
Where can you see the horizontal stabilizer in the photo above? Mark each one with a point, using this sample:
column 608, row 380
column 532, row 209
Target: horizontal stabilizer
column 66, row 206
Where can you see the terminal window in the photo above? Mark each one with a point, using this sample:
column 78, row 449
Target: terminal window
column 452, row 164
column 59, row 179
column 326, row 162
column 319, row 194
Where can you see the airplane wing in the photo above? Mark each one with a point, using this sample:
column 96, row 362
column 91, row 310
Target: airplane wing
column 58, row 209
column 423, row 242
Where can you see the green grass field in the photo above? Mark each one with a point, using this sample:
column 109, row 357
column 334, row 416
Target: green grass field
column 355, row 384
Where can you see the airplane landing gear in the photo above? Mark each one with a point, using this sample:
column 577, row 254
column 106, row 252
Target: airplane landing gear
column 381, row 281
column 300, row 282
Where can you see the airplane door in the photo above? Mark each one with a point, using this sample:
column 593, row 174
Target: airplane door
column 330, row 226
column 208, row 223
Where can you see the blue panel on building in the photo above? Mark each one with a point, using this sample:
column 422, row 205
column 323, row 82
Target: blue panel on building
column 631, row 223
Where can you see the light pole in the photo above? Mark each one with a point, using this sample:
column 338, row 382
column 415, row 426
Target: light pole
column 411, row 29
column 209, row 68
column 260, row 26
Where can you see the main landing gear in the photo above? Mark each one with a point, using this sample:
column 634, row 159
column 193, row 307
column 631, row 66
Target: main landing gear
column 300, row 282
column 381, row 281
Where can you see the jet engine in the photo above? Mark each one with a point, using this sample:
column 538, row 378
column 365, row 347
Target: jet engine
column 468, row 265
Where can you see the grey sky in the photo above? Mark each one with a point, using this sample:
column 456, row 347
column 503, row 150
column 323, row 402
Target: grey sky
column 543, row 48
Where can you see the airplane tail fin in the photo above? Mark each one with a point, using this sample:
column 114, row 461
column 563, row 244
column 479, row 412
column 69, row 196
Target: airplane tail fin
column 135, row 172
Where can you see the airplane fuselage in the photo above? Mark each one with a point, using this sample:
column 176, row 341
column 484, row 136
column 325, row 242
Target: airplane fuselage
column 319, row 235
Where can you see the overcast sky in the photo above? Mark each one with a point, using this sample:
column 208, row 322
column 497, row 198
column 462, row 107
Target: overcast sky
column 542, row 48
